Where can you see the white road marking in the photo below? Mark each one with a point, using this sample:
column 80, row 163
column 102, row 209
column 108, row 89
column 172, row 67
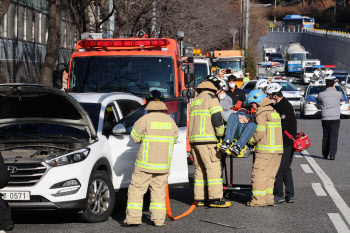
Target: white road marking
column 329, row 186
column 306, row 168
column 338, row 223
column 318, row 190
column 298, row 155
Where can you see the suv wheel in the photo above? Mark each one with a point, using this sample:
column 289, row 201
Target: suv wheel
column 100, row 198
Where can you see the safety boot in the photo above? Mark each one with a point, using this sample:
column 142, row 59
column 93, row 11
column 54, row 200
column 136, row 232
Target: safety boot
column 158, row 223
column 225, row 145
column 133, row 222
column 219, row 203
column 250, row 204
column 201, row 203
column 236, row 149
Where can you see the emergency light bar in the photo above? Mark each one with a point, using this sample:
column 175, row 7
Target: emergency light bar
column 123, row 43
column 270, row 63
column 323, row 66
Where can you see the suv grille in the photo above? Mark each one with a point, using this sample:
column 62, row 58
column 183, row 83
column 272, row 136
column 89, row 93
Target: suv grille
column 27, row 174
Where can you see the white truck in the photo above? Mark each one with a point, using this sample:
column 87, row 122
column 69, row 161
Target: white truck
column 295, row 54
column 267, row 51
column 308, row 70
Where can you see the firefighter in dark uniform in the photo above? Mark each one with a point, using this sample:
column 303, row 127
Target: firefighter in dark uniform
column 289, row 123
column 6, row 223
column 234, row 92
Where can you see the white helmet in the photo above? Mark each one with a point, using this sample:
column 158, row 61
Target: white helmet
column 273, row 88
column 261, row 84
column 223, row 84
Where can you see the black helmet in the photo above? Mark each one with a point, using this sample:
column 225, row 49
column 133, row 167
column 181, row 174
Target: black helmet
column 214, row 80
column 154, row 95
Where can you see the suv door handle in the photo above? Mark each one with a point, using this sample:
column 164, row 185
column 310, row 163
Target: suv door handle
column 178, row 142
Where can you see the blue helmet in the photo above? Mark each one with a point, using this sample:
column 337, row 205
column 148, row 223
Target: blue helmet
column 255, row 96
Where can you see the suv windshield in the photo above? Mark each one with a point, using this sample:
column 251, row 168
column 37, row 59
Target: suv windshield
column 315, row 90
column 93, row 110
column 233, row 65
column 200, row 71
column 137, row 75
column 286, row 86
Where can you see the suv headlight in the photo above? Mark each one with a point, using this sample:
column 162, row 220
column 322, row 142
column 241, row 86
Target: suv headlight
column 345, row 102
column 310, row 102
column 75, row 157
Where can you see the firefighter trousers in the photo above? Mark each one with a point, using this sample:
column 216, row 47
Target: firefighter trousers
column 140, row 182
column 264, row 171
column 207, row 176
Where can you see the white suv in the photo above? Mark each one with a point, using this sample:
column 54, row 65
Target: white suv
column 73, row 151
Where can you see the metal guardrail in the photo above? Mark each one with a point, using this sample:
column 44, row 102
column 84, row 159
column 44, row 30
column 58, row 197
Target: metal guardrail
column 344, row 35
column 324, row 32
column 282, row 29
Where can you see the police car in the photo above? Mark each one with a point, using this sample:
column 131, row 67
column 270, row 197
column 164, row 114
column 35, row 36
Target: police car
column 290, row 92
column 310, row 107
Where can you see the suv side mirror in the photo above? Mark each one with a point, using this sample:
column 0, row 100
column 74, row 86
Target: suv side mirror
column 119, row 129
column 57, row 78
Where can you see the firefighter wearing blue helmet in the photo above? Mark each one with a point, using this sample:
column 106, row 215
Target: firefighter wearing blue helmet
column 268, row 143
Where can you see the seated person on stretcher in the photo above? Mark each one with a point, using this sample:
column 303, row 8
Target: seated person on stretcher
column 239, row 125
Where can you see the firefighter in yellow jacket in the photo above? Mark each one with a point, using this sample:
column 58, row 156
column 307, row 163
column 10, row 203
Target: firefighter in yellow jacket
column 205, row 126
column 268, row 149
column 156, row 132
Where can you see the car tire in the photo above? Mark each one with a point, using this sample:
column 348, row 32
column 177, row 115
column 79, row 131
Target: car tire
column 100, row 198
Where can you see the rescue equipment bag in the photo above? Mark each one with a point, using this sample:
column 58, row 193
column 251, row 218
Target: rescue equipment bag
column 300, row 142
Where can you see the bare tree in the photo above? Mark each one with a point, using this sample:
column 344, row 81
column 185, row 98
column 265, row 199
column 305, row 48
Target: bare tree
column 53, row 42
column 79, row 10
column 132, row 16
column 4, row 6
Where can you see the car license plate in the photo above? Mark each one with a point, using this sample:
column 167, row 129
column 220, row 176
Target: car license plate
column 16, row 196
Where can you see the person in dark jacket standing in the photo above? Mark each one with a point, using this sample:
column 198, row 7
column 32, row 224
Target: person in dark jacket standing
column 289, row 123
column 330, row 103
column 6, row 223
column 234, row 92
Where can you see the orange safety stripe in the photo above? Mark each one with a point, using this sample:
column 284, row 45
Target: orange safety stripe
column 168, row 209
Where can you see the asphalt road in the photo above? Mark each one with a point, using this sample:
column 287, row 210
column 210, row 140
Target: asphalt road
column 321, row 200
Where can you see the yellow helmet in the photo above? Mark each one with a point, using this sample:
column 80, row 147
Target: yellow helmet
column 156, row 106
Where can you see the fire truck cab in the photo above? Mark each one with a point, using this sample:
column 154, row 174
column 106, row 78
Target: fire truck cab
column 232, row 61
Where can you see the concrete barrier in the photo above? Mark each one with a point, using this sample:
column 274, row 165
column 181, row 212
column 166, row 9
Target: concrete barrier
column 330, row 50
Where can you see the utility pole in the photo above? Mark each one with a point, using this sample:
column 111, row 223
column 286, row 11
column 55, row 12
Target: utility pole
column 242, row 25
column 154, row 18
column 247, row 26
column 111, row 19
column 335, row 12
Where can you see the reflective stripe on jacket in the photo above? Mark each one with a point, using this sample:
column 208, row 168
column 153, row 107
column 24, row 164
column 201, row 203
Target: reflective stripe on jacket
column 205, row 119
column 157, row 133
column 268, row 134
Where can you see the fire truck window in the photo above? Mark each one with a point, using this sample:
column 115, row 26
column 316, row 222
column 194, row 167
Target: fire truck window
column 137, row 75
column 200, row 71
column 127, row 106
